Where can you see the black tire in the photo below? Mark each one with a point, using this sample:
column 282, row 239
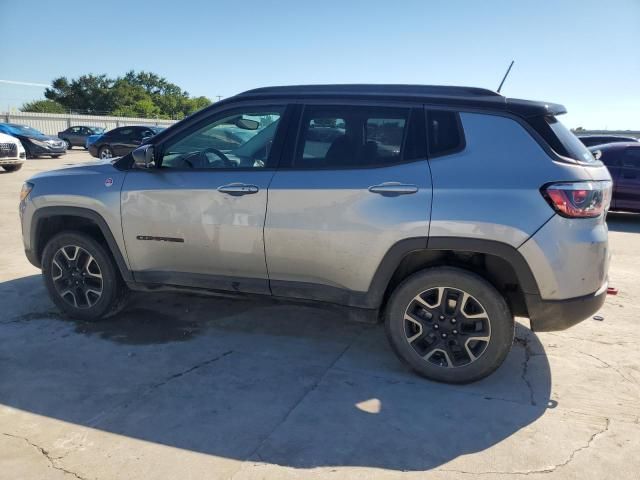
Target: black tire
column 12, row 168
column 105, row 151
column 456, row 357
column 56, row 156
column 112, row 289
column 67, row 143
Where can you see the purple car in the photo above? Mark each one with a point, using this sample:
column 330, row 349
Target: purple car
column 623, row 162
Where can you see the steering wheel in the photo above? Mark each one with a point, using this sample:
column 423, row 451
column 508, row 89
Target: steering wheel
column 202, row 157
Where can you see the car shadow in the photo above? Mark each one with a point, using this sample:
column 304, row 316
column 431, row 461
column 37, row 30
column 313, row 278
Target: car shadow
column 623, row 222
column 256, row 379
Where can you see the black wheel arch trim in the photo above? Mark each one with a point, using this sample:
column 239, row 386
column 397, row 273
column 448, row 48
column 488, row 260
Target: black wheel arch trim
column 401, row 249
column 50, row 212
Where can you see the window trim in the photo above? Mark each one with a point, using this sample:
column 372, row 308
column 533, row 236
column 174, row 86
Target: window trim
column 276, row 149
column 294, row 139
column 462, row 145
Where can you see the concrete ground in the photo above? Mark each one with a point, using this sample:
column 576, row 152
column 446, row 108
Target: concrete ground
column 181, row 387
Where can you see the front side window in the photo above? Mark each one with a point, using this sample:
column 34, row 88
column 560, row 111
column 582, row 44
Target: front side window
column 238, row 140
column 350, row 136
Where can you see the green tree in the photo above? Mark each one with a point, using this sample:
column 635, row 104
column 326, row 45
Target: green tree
column 139, row 93
column 43, row 106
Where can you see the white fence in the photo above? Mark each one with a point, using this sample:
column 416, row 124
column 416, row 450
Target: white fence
column 52, row 123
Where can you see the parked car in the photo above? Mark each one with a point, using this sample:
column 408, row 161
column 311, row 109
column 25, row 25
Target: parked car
column 34, row 142
column 591, row 140
column 77, row 136
column 121, row 140
column 12, row 153
column 435, row 205
column 623, row 162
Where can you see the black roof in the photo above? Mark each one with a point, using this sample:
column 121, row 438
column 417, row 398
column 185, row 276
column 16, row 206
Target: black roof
column 431, row 94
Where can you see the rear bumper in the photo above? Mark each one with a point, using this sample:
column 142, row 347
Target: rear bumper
column 552, row 315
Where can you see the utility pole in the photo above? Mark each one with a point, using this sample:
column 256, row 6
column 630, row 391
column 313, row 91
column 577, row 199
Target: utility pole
column 219, row 97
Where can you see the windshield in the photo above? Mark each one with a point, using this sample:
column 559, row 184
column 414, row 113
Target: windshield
column 572, row 144
column 24, row 130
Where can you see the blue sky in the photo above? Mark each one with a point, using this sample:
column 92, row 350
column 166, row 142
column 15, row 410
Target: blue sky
column 584, row 54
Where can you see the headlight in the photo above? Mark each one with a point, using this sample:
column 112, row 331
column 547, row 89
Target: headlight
column 39, row 143
column 25, row 190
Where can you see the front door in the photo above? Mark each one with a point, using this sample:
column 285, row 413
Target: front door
column 197, row 218
column 356, row 183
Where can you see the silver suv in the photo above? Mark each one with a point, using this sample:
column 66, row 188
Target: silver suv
column 450, row 210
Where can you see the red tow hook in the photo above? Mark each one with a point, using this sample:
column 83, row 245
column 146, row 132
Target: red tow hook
column 612, row 291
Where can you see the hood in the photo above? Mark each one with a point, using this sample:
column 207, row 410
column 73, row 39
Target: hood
column 98, row 167
column 4, row 138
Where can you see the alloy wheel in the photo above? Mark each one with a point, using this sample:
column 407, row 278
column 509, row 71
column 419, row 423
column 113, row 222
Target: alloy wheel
column 77, row 276
column 106, row 153
column 447, row 327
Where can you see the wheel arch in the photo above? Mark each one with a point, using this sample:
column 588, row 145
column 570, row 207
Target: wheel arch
column 48, row 221
column 499, row 263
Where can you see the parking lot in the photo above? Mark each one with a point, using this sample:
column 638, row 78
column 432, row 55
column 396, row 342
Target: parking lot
column 190, row 387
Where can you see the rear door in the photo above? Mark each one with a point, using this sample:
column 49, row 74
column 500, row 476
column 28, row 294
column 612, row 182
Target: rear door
column 354, row 181
column 627, row 191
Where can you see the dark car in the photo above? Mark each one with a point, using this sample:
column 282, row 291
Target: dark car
column 121, row 140
column 623, row 162
column 77, row 136
column 591, row 140
column 35, row 142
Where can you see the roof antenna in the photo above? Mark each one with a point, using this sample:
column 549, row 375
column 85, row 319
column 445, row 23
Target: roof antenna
column 506, row 75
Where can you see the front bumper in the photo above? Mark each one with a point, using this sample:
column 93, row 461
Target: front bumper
column 40, row 150
column 93, row 150
column 552, row 315
column 11, row 161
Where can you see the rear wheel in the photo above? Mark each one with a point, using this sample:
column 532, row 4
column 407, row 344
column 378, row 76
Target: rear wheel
column 81, row 276
column 12, row 168
column 56, row 156
column 449, row 325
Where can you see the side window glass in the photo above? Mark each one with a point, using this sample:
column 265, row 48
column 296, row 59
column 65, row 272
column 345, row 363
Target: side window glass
column 238, row 140
column 631, row 158
column 444, row 131
column 350, row 136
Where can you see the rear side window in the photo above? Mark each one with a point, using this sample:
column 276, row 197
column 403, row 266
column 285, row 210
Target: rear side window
column 352, row 137
column 631, row 158
column 445, row 134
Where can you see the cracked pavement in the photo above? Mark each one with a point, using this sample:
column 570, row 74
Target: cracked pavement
column 189, row 387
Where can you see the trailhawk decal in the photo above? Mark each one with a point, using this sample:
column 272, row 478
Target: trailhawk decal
column 160, row 239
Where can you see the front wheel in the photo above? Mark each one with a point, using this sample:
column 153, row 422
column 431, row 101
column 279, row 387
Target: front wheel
column 56, row 156
column 12, row 168
column 67, row 144
column 449, row 325
column 105, row 152
column 81, row 277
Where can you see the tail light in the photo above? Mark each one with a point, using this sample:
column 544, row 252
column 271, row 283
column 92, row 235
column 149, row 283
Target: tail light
column 579, row 199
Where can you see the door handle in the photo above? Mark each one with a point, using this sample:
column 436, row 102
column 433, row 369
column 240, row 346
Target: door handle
column 393, row 188
column 237, row 189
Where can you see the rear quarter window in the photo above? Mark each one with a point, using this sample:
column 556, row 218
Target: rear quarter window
column 444, row 133
column 561, row 139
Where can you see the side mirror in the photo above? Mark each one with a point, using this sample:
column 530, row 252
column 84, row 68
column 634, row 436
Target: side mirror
column 143, row 156
column 597, row 154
